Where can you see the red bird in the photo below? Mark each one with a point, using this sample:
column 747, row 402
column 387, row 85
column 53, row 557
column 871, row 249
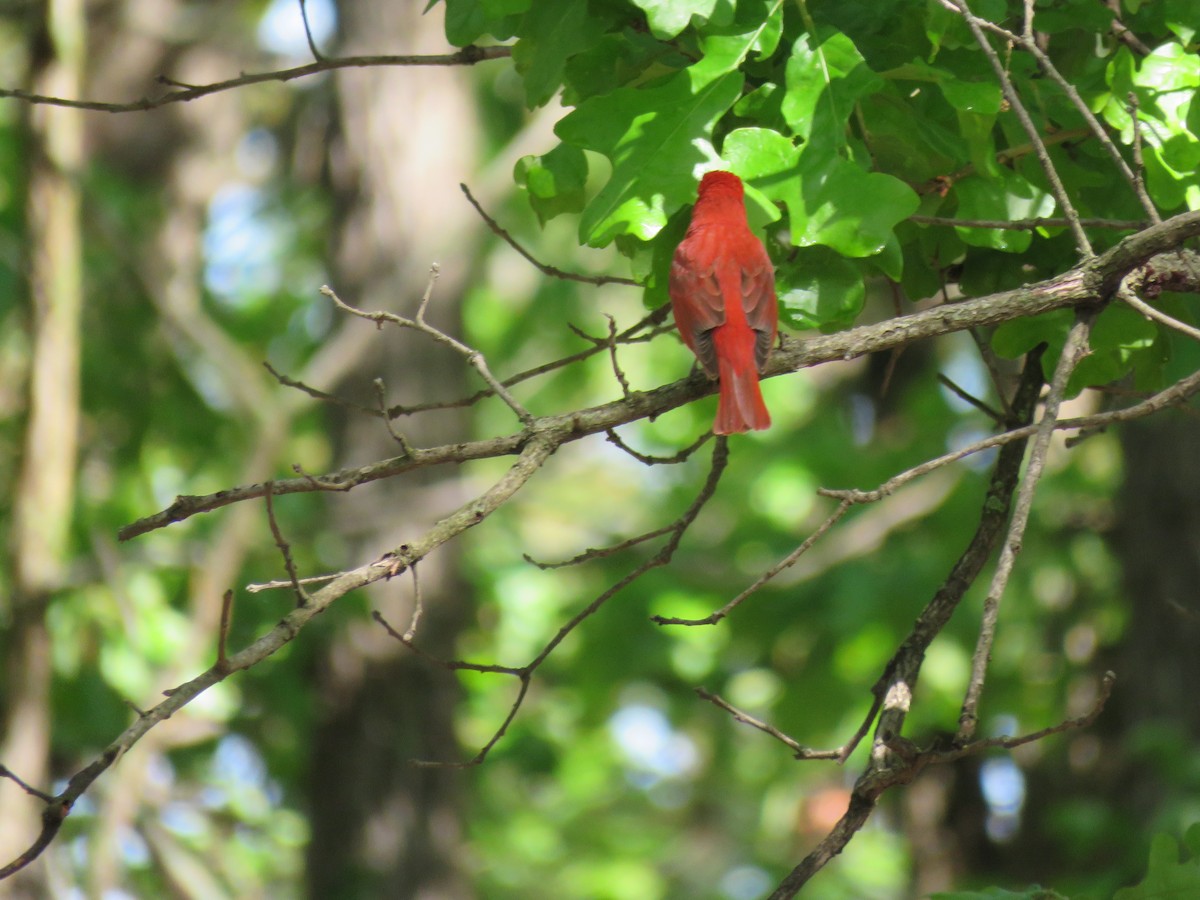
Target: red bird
column 723, row 295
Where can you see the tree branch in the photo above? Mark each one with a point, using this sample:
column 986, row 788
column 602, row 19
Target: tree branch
column 467, row 56
column 1090, row 283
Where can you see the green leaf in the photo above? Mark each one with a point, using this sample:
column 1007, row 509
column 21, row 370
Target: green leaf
column 836, row 203
column 656, row 137
column 830, row 201
column 1017, row 337
column 667, row 18
column 996, row 893
column 1167, row 876
column 980, row 97
column 616, row 60
column 823, row 83
column 551, row 33
column 908, row 141
column 1119, row 340
column 469, row 20
column 976, row 105
column 1003, row 198
column 499, row 8
column 890, row 260
column 770, row 14
column 820, row 289
column 1181, row 19
column 555, row 181
column 1073, row 15
column 760, row 155
column 1120, row 329
column 761, row 104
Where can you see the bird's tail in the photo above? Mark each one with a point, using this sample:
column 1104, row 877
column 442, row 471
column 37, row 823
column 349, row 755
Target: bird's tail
column 740, row 406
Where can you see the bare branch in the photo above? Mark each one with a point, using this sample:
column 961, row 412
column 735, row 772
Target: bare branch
column 312, row 44
column 892, row 691
column 1030, row 224
column 785, row 563
column 799, row 751
column 970, row 398
column 285, row 549
column 467, row 56
column 1088, row 284
column 222, row 635
column 1126, row 295
column 381, row 395
column 542, row 267
column 1031, row 130
column 535, row 452
column 474, row 357
column 682, row 456
column 1073, row 351
column 273, row 585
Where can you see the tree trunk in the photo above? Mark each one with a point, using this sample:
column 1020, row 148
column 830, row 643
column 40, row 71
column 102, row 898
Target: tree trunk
column 381, row 826
column 44, row 501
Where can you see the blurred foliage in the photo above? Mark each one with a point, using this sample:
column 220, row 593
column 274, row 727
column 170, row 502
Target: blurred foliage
column 616, row 781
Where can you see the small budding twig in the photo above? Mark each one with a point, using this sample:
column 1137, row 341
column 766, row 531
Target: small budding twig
column 285, row 548
column 258, row 587
column 612, row 353
column 418, row 606
column 472, row 356
column 381, row 396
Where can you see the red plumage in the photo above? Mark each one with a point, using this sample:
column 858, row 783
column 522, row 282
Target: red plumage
column 722, row 291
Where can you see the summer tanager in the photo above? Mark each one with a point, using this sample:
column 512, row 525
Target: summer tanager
column 722, row 291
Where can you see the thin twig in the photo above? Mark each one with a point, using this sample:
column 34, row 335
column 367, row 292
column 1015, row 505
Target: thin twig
column 1031, row 130
column 1126, row 295
column 6, row 772
column 682, row 456
column 1074, row 350
column 612, row 353
column 312, row 45
column 418, row 606
column 1030, row 224
column 1122, row 32
column 970, row 398
column 467, row 56
column 473, row 357
column 222, row 632
column 257, row 587
column 381, row 396
column 542, row 267
column 600, row 552
column 315, row 393
column 799, row 751
column 1138, row 175
column 285, row 548
column 785, row 563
